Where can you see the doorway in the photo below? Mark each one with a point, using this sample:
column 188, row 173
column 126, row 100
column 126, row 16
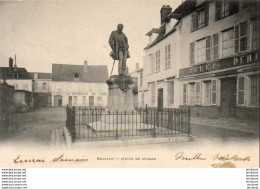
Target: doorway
column 228, row 96
column 57, row 100
column 160, row 98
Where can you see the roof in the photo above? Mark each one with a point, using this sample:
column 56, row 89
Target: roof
column 22, row 73
column 65, row 72
column 41, row 75
column 162, row 35
column 154, row 30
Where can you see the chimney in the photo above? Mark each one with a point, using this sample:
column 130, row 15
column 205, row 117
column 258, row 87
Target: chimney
column 10, row 65
column 137, row 66
column 165, row 11
column 85, row 66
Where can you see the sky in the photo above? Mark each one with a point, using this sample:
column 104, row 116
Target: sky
column 41, row 33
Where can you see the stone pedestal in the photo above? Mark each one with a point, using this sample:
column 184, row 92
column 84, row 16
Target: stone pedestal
column 121, row 93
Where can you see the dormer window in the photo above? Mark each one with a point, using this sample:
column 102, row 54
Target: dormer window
column 76, row 77
column 35, row 75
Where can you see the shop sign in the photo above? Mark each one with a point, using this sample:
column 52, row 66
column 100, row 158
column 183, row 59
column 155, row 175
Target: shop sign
column 221, row 64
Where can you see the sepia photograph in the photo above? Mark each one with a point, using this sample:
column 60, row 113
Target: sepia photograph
column 129, row 83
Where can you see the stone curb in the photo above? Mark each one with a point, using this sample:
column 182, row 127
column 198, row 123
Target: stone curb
column 68, row 138
column 126, row 142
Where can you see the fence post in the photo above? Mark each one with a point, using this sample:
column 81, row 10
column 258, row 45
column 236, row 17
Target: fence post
column 116, row 137
column 73, row 124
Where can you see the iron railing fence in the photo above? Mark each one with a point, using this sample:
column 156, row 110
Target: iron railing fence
column 97, row 123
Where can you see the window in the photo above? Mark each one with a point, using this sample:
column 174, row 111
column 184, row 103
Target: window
column 215, row 46
column 255, row 33
column 36, row 85
column 99, row 99
column 170, row 93
column 192, row 49
column 142, row 99
column 44, row 86
column 152, row 63
column 75, row 100
column 199, row 19
column 214, row 92
column 241, row 91
column 76, row 76
column 228, row 42
column 197, row 93
column 84, row 100
column 207, row 85
column 241, row 37
column 141, row 78
column 226, row 8
column 185, row 94
column 153, row 94
column 35, row 75
column 168, row 56
column 201, row 51
column 157, row 64
column 192, row 93
column 254, row 90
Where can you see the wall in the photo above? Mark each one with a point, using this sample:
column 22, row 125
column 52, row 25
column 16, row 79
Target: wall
column 21, row 84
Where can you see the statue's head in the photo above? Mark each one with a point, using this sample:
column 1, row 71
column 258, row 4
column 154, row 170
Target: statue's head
column 120, row 28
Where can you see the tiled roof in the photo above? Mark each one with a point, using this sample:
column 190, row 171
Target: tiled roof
column 41, row 75
column 65, row 72
column 22, row 73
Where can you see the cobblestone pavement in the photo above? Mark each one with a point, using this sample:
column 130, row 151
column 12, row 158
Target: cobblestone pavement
column 36, row 127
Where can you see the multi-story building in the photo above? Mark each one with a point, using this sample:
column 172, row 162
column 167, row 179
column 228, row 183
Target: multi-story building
column 219, row 57
column 22, row 82
column 161, row 63
column 79, row 85
column 42, row 89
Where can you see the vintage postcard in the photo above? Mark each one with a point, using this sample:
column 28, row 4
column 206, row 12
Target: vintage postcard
column 129, row 83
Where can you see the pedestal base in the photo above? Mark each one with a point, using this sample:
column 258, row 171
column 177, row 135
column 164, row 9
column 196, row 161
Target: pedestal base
column 121, row 96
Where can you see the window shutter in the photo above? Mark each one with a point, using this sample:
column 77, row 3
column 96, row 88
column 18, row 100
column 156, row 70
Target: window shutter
column 218, row 9
column 208, row 48
column 193, row 22
column 233, row 7
column 206, row 16
column 192, row 53
column 215, row 46
column 236, row 39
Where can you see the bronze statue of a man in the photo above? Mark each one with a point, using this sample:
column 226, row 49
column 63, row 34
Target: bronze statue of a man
column 119, row 45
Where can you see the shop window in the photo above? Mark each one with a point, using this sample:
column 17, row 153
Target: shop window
column 185, row 94
column 170, row 93
column 168, row 56
column 241, row 37
column 226, row 8
column 199, row 19
column 254, row 90
column 228, row 42
column 214, row 92
column 192, row 93
column 153, row 94
column 255, row 33
column 198, row 93
column 157, row 63
column 241, row 91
